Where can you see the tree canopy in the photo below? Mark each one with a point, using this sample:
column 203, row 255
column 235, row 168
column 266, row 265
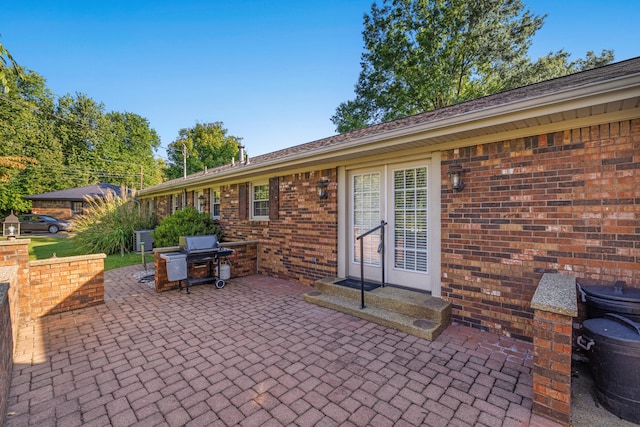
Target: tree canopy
column 50, row 144
column 7, row 66
column 420, row 55
column 206, row 144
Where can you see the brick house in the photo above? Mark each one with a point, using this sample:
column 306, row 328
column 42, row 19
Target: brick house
column 551, row 175
column 65, row 204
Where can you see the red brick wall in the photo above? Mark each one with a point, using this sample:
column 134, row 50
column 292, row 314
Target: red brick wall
column 7, row 338
column 12, row 294
column 162, row 282
column 16, row 253
column 244, row 260
column 300, row 245
column 55, row 208
column 563, row 202
column 29, row 290
column 163, row 207
column 65, row 284
column 552, row 366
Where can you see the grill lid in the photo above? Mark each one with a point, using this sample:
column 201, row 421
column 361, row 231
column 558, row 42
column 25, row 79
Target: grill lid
column 199, row 243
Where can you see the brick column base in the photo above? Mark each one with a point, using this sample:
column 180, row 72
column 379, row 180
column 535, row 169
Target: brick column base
column 555, row 306
column 552, row 366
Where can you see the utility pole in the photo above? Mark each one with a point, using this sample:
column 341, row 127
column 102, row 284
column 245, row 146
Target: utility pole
column 184, row 160
column 141, row 177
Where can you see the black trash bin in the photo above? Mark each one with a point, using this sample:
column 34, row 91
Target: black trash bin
column 617, row 299
column 612, row 344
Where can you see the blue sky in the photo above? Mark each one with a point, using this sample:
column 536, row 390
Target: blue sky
column 273, row 71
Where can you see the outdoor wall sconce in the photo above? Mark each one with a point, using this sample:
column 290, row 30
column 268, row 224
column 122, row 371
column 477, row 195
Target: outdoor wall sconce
column 455, row 173
column 11, row 227
column 321, row 188
column 201, row 198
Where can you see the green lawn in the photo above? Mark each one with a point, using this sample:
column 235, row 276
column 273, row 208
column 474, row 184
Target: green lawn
column 45, row 247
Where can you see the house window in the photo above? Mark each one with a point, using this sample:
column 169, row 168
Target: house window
column 76, row 208
column 215, row 203
column 151, row 207
column 260, row 202
column 198, row 201
column 174, row 202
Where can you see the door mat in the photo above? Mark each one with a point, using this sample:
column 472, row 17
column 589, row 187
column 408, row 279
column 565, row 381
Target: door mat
column 355, row 284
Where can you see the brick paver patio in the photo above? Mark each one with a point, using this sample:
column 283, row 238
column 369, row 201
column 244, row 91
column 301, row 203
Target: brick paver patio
column 254, row 354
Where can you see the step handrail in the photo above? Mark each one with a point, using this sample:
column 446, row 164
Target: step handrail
column 380, row 250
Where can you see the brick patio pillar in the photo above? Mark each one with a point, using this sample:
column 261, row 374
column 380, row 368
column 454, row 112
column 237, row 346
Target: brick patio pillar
column 16, row 253
column 555, row 306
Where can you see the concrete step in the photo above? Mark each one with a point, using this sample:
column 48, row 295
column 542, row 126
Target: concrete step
column 413, row 312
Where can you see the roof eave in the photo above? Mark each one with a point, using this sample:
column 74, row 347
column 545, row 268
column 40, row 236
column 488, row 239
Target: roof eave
column 624, row 87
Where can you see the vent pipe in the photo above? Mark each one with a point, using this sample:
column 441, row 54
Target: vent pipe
column 241, row 154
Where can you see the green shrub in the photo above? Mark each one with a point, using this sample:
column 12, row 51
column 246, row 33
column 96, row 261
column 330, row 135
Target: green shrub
column 186, row 222
column 107, row 224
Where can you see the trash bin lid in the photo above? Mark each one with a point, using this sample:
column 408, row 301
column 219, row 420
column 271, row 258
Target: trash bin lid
column 613, row 292
column 614, row 328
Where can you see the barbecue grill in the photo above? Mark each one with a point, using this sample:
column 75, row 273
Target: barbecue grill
column 203, row 250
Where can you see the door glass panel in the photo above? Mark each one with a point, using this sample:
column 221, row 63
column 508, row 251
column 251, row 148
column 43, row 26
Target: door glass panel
column 366, row 215
column 410, row 213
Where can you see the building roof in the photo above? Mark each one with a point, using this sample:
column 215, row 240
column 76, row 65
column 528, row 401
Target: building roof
column 583, row 96
column 78, row 194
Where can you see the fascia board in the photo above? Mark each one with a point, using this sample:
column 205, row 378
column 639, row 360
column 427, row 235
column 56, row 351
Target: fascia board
column 576, row 98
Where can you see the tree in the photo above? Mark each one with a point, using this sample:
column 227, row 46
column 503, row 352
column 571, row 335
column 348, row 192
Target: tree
column 78, row 122
column 552, row 65
column 50, row 144
column 128, row 145
column 7, row 66
column 12, row 161
column 28, row 146
column 105, row 147
column 426, row 54
column 206, row 144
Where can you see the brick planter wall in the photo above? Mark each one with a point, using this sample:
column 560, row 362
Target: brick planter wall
column 162, row 282
column 15, row 253
column 65, row 284
column 562, row 202
column 8, row 281
column 244, row 260
column 29, row 290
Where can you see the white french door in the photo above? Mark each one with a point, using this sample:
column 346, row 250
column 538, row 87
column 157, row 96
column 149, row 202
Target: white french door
column 368, row 203
column 407, row 198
